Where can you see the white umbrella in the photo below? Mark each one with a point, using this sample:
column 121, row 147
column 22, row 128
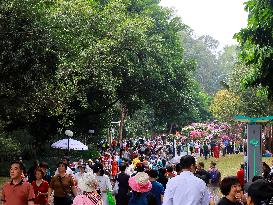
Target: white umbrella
column 176, row 159
column 69, row 144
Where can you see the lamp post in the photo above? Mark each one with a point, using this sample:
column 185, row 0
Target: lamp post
column 68, row 133
column 254, row 144
column 90, row 132
column 110, row 136
column 174, row 146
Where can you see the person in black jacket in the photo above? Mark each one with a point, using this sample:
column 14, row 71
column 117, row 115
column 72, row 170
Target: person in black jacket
column 123, row 186
column 202, row 173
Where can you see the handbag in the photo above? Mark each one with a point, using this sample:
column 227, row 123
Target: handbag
column 68, row 196
column 115, row 189
column 110, row 198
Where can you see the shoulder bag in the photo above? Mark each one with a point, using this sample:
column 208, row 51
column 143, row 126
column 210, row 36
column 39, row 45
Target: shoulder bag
column 68, row 196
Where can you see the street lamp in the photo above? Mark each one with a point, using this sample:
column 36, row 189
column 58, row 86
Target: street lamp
column 68, row 133
column 90, row 132
column 109, row 132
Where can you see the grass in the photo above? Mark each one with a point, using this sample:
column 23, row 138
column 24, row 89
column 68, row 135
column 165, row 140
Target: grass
column 3, row 180
column 230, row 164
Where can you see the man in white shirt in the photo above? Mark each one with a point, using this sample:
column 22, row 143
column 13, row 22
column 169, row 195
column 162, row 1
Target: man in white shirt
column 186, row 188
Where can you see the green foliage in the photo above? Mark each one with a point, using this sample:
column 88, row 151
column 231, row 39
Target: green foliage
column 254, row 101
column 9, row 145
column 212, row 67
column 226, row 61
column 71, row 64
column 202, row 52
column 224, row 105
column 237, row 100
column 256, row 42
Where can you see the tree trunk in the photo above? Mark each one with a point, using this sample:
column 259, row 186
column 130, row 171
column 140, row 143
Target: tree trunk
column 123, row 116
column 271, row 140
column 171, row 128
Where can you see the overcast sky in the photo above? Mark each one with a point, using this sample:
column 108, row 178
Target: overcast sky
column 220, row 19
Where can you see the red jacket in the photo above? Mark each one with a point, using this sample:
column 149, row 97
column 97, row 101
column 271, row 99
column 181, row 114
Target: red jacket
column 240, row 175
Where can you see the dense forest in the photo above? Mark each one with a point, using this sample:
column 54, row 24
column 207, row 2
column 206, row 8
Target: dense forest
column 83, row 64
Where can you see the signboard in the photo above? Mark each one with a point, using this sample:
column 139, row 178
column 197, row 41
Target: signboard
column 91, row 131
column 254, row 151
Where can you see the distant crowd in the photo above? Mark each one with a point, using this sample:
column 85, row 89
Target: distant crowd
column 137, row 173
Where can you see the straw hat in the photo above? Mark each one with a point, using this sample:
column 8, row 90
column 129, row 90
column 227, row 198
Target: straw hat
column 140, row 182
column 88, row 182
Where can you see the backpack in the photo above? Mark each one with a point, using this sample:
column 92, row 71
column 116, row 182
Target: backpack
column 215, row 176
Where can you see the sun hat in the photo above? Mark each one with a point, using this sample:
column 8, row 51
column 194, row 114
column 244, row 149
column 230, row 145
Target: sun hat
column 260, row 190
column 81, row 165
column 88, row 182
column 140, row 182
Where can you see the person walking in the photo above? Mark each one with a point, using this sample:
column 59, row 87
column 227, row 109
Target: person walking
column 205, row 150
column 114, row 166
column 79, row 175
column 17, row 192
column 68, row 169
column 47, row 174
column 63, row 186
column 215, row 179
column 104, row 182
column 32, row 171
column 157, row 188
column 88, row 184
column 216, row 151
column 162, row 178
column 141, row 187
column 40, row 187
column 123, row 186
column 186, row 188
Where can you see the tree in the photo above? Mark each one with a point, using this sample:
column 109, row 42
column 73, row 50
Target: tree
column 256, row 42
column 202, row 51
column 254, row 101
column 236, row 100
column 70, row 64
column 226, row 62
column 224, row 105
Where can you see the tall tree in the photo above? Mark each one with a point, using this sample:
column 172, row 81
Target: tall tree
column 256, row 41
column 202, row 50
column 236, row 100
column 66, row 64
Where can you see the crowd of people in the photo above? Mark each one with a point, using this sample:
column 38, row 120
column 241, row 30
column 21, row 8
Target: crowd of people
column 135, row 173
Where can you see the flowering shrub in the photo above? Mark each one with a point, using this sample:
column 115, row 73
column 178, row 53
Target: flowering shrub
column 212, row 130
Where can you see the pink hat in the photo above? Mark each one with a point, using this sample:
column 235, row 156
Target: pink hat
column 140, row 182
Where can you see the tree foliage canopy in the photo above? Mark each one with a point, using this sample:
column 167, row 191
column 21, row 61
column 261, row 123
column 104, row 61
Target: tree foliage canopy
column 68, row 64
column 256, row 41
column 236, row 100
